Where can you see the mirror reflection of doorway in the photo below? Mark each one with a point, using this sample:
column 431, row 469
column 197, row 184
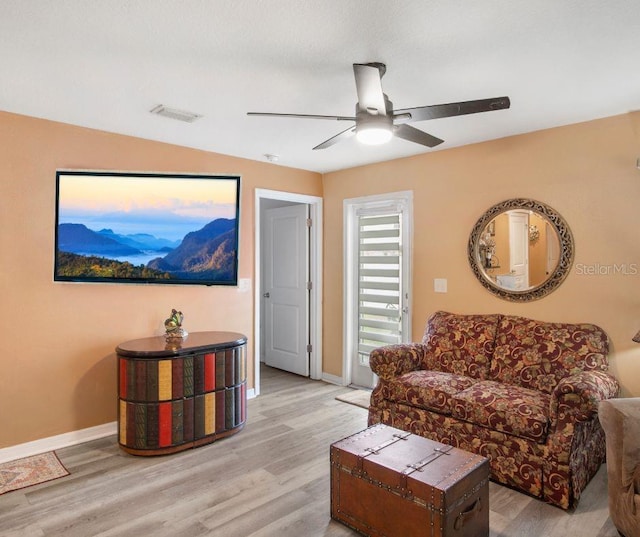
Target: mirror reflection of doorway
column 526, row 249
column 519, row 248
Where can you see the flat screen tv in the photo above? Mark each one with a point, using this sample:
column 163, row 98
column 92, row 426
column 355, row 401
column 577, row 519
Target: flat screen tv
column 150, row 228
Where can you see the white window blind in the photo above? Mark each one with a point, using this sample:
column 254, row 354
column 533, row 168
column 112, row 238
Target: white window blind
column 379, row 282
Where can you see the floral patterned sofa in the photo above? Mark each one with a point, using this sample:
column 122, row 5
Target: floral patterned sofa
column 521, row 392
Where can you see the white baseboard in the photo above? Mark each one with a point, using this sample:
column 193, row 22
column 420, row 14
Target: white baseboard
column 57, row 442
column 67, row 439
column 332, row 379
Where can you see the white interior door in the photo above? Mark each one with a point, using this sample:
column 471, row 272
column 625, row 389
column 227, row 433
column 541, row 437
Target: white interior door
column 519, row 245
column 286, row 294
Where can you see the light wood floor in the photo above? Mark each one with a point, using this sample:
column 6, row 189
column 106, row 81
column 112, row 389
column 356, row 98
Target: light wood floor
column 271, row 479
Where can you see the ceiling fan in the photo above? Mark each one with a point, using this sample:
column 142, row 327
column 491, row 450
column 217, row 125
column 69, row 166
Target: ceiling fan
column 376, row 121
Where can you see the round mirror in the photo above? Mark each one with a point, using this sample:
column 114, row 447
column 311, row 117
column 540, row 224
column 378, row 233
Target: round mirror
column 520, row 250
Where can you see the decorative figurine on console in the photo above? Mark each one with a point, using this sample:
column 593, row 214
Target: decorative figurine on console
column 173, row 326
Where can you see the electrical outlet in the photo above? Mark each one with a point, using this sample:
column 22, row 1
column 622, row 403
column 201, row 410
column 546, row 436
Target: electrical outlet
column 440, row 285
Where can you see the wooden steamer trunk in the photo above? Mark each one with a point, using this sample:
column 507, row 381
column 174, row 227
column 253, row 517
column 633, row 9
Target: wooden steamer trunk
column 389, row 483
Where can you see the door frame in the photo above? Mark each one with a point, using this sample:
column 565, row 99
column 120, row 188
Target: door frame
column 315, row 275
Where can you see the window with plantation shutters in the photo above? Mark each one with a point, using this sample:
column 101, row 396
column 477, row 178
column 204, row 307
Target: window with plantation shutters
column 379, row 286
column 377, row 279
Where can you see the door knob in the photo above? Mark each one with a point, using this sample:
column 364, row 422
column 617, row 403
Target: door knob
column 266, row 295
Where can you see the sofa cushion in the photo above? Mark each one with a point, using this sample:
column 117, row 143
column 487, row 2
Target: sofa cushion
column 460, row 344
column 506, row 408
column 538, row 355
column 430, row 390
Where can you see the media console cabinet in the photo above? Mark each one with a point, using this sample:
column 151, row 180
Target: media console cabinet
column 174, row 396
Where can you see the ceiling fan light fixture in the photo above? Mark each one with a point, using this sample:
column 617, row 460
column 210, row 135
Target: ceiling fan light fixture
column 373, row 135
column 376, row 121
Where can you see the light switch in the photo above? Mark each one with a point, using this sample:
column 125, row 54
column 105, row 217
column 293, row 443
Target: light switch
column 244, row 285
column 440, row 285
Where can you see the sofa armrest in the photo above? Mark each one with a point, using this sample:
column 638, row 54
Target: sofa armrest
column 394, row 360
column 576, row 397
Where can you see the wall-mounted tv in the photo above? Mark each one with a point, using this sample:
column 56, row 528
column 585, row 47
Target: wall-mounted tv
column 130, row 227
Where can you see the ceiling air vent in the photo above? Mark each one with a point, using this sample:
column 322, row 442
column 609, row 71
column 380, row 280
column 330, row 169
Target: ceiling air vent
column 180, row 115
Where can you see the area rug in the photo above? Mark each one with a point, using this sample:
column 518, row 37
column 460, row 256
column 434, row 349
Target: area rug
column 356, row 397
column 22, row 473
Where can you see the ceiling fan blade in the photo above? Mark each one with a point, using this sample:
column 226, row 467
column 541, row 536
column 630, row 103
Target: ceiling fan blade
column 301, row 116
column 436, row 111
column 407, row 132
column 337, row 138
column 369, row 88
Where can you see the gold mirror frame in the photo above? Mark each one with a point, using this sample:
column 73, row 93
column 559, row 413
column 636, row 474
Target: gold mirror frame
column 553, row 280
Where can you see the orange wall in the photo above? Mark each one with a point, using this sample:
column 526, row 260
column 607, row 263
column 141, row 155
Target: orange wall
column 587, row 172
column 57, row 366
column 538, row 251
column 503, row 248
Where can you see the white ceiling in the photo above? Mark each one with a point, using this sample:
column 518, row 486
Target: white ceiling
column 105, row 63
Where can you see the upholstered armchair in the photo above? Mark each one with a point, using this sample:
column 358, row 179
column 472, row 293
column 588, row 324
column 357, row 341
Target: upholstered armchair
column 620, row 419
